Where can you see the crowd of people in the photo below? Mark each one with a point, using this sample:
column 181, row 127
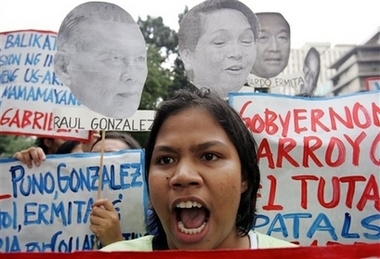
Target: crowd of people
column 202, row 182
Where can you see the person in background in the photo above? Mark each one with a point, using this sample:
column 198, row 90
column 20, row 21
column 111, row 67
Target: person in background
column 217, row 44
column 70, row 146
column 47, row 146
column 311, row 69
column 104, row 219
column 115, row 141
column 273, row 45
column 202, row 177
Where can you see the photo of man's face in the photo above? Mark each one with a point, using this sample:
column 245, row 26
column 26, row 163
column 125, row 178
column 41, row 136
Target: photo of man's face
column 273, row 46
column 106, row 67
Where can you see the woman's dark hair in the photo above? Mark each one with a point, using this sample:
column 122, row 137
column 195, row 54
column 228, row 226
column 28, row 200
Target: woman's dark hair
column 123, row 136
column 237, row 132
column 67, row 147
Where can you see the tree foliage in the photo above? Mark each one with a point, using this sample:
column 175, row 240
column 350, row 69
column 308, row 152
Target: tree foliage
column 11, row 144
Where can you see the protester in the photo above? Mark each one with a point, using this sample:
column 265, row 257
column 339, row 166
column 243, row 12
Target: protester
column 216, row 41
column 115, row 141
column 273, row 45
column 101, row 57
column 48, row 146
column 70, row 146
column 202, row 177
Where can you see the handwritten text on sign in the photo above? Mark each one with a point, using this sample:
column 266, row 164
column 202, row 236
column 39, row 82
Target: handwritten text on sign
column 82, row 118
column 29, row 88
column 319, row 160
column 47, row 208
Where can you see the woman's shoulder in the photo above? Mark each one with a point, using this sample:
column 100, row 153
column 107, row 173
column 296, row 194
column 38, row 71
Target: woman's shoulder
column 265, row 241
column 139, row 244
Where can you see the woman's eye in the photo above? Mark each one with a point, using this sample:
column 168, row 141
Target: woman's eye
column 209, row 157
column 165, row 160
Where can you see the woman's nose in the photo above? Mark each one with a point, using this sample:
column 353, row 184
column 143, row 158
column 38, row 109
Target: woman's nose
column 186, row 175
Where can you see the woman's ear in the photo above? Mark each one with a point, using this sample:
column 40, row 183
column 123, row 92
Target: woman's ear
column 244, row 186
column 61, row 62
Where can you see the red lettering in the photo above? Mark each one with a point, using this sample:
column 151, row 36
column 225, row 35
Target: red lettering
column 272, row 195
column 24, row 118
column 376, row 114
column 367, row 119
column 351, row 180
column 341, row 152
column 4, row 118
column 335, row 193
column 284, row 147
column 373, row 153
column 308, row 150
column 371, row 192
column 264, row 151
column 315, row 116
column 355, row 147
column 348, row 123
column 245, row 119
column 297, row 118
column 285, row 124
column 303, row 179
column 270, row 119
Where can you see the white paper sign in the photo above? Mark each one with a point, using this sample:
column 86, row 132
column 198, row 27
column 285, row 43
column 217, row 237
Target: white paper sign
column 47, row 208
column 319, row 161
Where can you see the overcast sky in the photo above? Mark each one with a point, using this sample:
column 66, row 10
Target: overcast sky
column 334, row 21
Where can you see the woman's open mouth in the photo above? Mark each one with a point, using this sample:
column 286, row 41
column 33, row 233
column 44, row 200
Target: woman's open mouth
column 191, row 216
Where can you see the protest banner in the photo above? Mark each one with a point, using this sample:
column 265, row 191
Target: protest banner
column 47, row 208
column 29, row 87
column 358, row 251
column 319, row 162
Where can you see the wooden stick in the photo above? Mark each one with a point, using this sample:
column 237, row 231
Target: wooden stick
column 100, row 181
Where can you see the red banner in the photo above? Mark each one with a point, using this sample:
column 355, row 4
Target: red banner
column 355, row 251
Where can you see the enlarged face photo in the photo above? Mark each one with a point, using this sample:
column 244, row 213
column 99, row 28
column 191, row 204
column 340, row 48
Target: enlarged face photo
column 311, row 69
column 217, row 44
column 273, row 46
column 102, row 57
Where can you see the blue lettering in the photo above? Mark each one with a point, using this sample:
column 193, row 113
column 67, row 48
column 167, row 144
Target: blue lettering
column 281, row 228
column 346, row 227
column 63, row 180
column 366, row 223
column 10, row 244
column 29, row 214
column 135, row 175
column 296, row 221
column 259, row 217
column 8, row 76
column 316, row 226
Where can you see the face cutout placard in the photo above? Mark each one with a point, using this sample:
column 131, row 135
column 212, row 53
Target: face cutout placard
column 101, row 57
